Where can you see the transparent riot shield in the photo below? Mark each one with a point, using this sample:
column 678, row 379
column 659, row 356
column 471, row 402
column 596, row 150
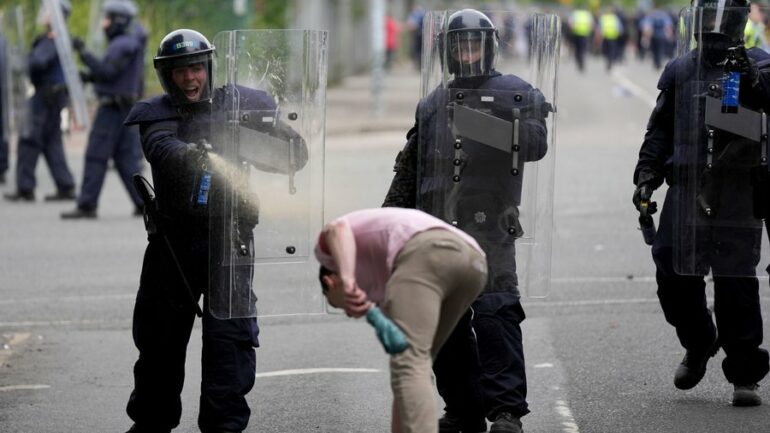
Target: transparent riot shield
column 53, row 13
column 15, row 83
column 720, row 173
column 272, row 84
column 96, row 42
column 486, row 152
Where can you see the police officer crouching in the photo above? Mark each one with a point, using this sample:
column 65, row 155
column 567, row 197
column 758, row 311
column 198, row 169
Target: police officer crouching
column 117, row 81
column 179, row 241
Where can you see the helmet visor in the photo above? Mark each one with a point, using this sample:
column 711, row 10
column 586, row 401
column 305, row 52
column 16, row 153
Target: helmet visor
column 719, row 18
column 471, row 52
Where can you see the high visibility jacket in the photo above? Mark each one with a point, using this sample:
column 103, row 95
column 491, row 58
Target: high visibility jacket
column 610, row 26
column 582, row 23
column 753, row 35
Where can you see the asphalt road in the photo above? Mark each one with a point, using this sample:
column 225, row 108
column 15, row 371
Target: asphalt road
column 600, row 357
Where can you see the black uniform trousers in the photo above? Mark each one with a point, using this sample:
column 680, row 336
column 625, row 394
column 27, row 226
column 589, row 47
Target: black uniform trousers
column 110, row 139
column 163, row 321
column 736, row 308
column 483, row 375
column 43, row 136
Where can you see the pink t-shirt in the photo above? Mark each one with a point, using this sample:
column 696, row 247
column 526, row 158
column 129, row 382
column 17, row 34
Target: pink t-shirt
column 380, row 234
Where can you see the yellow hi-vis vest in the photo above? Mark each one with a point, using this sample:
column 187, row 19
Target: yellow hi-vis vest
column 582, row 23
column 752, row 35
column 610, row 25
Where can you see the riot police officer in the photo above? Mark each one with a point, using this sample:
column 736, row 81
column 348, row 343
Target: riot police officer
column 117, row 81
column 483, row 376
column 709, row 220
column 43, row 134
column 163, row 314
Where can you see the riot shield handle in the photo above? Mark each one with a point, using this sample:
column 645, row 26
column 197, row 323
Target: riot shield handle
column 515, row 146
column 152, row 223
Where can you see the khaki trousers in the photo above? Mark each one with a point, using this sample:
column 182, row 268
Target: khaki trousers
column 436, row 277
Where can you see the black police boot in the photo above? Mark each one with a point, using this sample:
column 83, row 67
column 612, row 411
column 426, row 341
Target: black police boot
column 506, row 423
column 136, row 428
column 693, row 367
column 79, row 213
column 746, row 395
column 451, row 424
column 61, row 195
column 20, row 196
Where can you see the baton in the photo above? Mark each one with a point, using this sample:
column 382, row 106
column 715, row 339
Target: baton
column 151, row 222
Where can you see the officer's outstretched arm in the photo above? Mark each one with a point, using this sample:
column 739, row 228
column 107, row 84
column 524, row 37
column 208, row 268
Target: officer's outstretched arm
column 162, row 147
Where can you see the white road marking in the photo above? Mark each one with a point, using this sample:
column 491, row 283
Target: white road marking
column 569, row 424
column 302, row 371
column 22, row 387
column 643, row 95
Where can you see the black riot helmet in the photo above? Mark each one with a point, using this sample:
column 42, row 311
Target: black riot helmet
column 120, row 13
column 468, row 45
column 720, row 21
column 183, row 48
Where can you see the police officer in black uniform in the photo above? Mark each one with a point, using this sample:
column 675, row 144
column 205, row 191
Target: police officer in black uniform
column 117, row 81
column 738, row 328
column 481, row 376
column 43, row 134
column 164, row 313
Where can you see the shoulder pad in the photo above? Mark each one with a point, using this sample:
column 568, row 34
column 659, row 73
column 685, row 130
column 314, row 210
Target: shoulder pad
column 679, row 65
column 507, row 82
column 124, row 42
column 152, row 110
column 252, row 99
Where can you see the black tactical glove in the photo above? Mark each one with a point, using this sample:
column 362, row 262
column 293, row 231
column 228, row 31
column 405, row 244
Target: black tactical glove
column 78, row 45
column 741, row 62
column 641, row 199
column 199, row 152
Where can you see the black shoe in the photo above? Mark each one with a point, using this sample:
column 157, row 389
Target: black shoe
column 138, row 211
column 451, row 424
column 137, row 429
column 746, row 395
column 2, row 178
column 61, row 195
column 20, row 196
column 79, row 213
column 506, row 423
column 693, row 367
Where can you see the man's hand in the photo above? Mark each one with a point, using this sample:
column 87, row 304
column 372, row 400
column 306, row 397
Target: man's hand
column 356, row 301
column 745, row 65
column 641, row 200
